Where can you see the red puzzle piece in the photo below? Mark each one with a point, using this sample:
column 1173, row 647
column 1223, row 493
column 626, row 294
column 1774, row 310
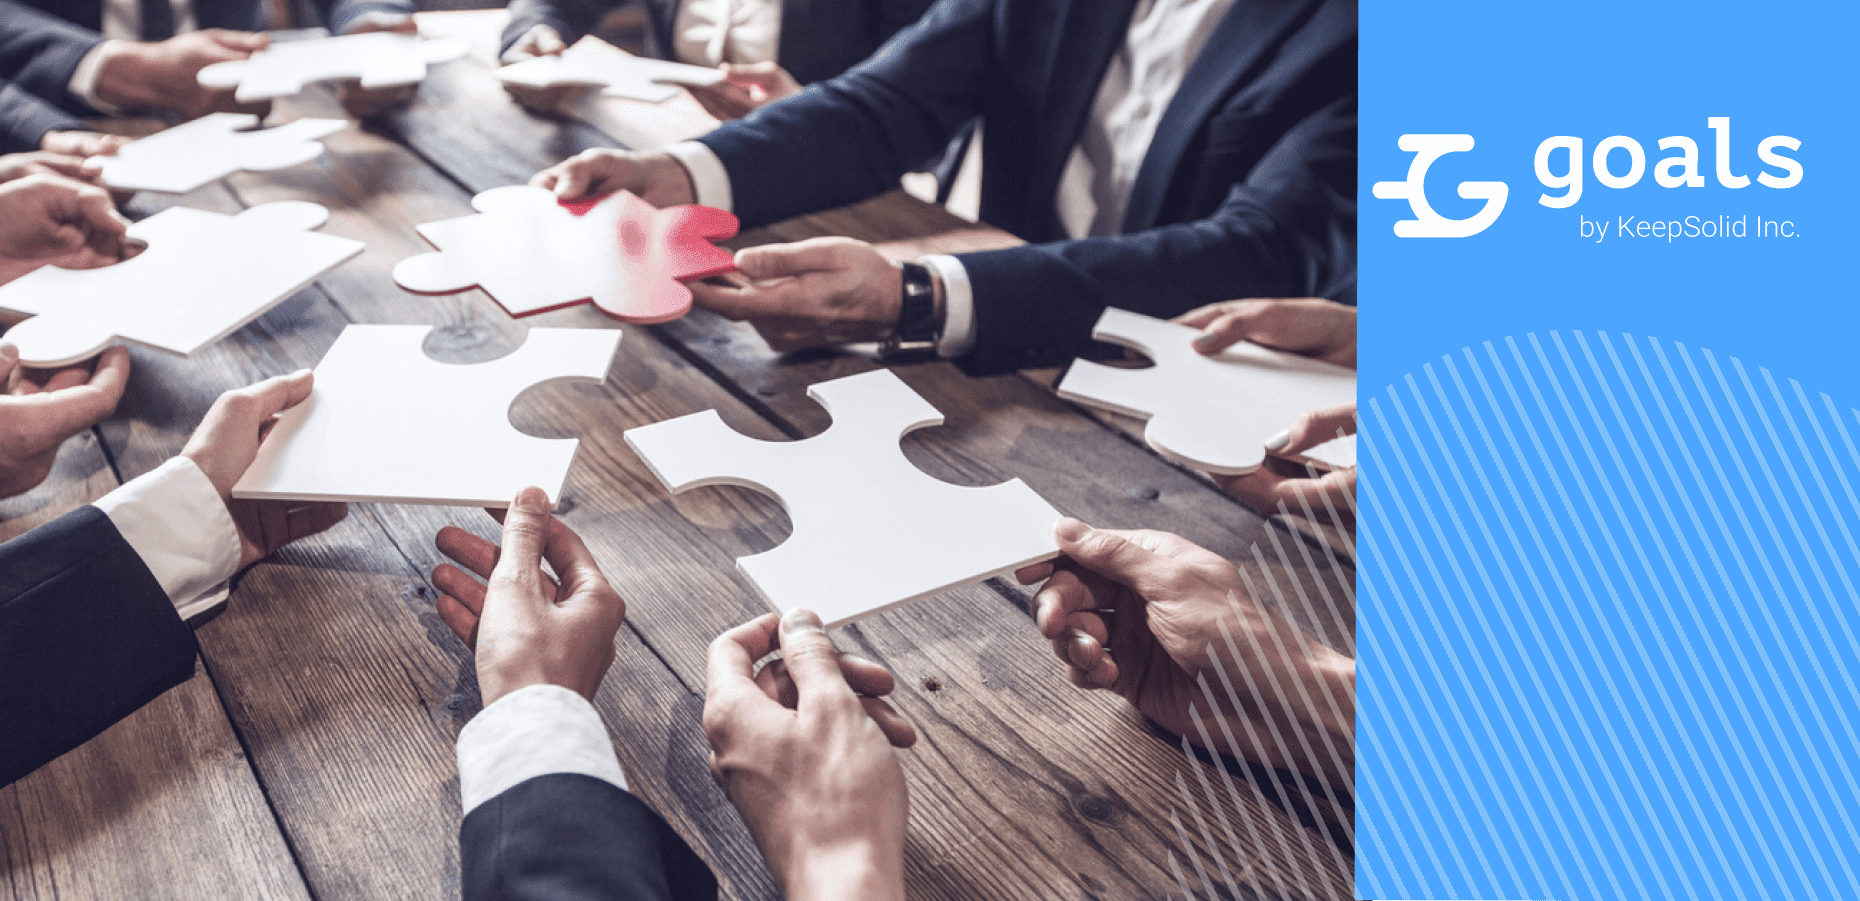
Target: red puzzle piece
column 660, row 249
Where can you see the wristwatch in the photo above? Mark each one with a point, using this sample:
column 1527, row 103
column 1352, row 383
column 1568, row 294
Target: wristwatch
column 919, row 317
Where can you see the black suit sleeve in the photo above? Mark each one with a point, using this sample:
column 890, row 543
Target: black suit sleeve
column 569, row 837
column 39, row 52
column 852, row 137
column 25, row 118
column 87, row 636
column 572, row 19
column 1287, row 230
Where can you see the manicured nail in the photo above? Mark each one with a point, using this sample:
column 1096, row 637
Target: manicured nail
column 800, row 620
column 1081, row 645
column 1205, row 339
column 1280, row 440
column 532, row 500
column 1071, row 530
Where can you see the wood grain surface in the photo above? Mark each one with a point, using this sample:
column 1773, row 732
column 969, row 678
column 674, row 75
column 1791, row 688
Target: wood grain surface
column 347, row 692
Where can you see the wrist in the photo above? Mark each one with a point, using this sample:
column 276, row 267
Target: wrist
column 670, row 175
column 857, row 871
column 917, row 324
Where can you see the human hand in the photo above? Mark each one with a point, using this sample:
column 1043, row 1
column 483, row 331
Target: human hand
column 39, row 409
column 540, row 40
column 657, row 178
column 366, row 103
column 40, row 162
column 526, row 628
column 1309, row 326
column 226, row 443
column 817, row 781
column 812, row 293
column 82, row 143
column 746, row 87
column 1150, row 616
column 163, row 74
column 1299, row 487
column 49, row 220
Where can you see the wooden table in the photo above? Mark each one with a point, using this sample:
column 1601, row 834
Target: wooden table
column 312, row 754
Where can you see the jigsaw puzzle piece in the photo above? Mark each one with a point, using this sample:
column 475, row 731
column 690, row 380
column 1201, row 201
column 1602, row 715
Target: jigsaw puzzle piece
column 203, row 276
column 871, row 530
column 659, row 250
column 522, row 248
column 1212, row 413
column 592, row 62
column 387, row 423
column 212, row 147
column 376, row 59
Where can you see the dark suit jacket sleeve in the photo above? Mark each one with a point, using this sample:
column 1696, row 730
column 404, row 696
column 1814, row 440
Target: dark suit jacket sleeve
column 572, row 19
column 569, row 837
column 87, row 636
column 38, row 52
column 852, row 137
column 1287, row 230
column 25, row 118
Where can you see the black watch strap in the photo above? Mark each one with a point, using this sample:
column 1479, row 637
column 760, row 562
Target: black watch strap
column 917, row 315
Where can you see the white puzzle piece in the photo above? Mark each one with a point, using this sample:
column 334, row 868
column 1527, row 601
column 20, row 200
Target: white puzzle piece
column 1213, row 413
column 524, row 249
column 595, row 63
column 209, row 148
column 871, row 530
column 202, row 277
column 378, row 59
column 387, row 423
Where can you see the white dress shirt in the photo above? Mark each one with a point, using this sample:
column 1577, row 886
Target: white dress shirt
column 1165, row 38
column 712, row 32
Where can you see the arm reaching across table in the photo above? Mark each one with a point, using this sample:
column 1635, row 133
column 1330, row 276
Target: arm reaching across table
column 1149, row 616
column 92, row 604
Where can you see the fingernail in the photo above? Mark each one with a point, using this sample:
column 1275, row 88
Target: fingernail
column 531, row 500
column 1071, row 530
column 800, row 620
column 1280, row 440
column 9, row 352
column 1081, row 644
column 1205, row 339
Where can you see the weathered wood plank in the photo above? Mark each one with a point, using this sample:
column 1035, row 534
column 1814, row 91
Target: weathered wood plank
column 162, row 805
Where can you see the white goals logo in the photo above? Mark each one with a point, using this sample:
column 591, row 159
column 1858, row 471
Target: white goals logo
column 1558, row 163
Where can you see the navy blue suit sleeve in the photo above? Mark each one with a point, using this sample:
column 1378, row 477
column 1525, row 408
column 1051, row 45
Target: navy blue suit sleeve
column 569, row 837
column 852, row 137
column 39, row 52
column 87, row 636
column 572, row 19
column 25, row 118
column 1287, row 230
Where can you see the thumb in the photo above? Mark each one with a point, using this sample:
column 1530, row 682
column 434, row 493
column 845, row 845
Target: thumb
column 9, row 360
column 243, row 41
column 763, row 74
column 526, row 532
column 780, row 260
column 1312, row 429
column 1112, row 554
column 811, row 659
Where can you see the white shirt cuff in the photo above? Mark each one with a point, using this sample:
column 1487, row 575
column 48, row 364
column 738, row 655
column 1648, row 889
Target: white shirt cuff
column 84, row 78
column 174, row 519
column 710, row 182
column 958, row 306
column 534, row 731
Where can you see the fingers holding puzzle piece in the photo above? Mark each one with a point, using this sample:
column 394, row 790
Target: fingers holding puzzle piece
column 1214, row 413
column 596, row 63
column 387, row 423
column 377, row 59
column 203, row 276
column 533, row 254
